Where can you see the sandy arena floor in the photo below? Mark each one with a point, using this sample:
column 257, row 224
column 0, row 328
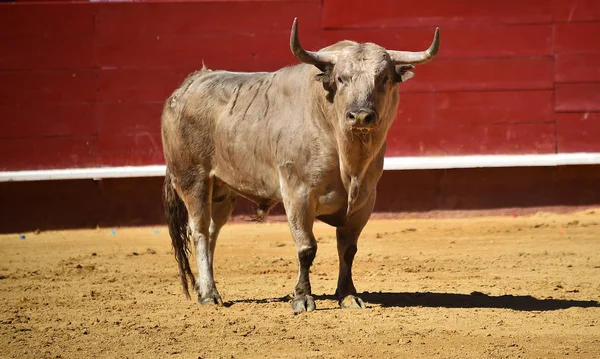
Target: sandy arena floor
column 525, row 287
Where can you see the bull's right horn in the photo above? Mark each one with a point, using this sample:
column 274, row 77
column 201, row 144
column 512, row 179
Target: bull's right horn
column 319, row 59
column 422, row 57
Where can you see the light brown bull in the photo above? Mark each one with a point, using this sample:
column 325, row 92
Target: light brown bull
column 311, row 136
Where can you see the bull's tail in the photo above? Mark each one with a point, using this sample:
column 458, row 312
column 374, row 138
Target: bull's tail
column 177, row 219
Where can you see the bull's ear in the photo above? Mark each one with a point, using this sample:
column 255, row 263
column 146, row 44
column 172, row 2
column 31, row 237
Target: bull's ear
column 403, row 72
column 326, row 78
column 322, row 77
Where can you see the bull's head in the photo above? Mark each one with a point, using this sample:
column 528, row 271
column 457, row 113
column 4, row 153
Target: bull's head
column 362, row 79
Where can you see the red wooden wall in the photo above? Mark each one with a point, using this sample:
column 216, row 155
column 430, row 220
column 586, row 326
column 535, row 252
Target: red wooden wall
column 82, row 84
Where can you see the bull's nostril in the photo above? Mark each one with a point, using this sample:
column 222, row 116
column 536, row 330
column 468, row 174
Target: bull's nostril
column 361, row 117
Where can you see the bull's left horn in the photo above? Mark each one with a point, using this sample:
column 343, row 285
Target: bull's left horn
column 319, row 59
column 421, row 57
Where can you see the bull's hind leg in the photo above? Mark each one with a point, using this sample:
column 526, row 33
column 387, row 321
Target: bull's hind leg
column 223, row 203
column 347, row 238
column 197, row 198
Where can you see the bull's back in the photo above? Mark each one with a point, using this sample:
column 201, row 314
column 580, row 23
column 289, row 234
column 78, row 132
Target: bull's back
column 258, row 128
column 241, row 125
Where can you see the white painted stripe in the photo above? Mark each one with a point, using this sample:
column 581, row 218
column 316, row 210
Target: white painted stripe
column 477, row 161
column 390, row 163
column 84, row 173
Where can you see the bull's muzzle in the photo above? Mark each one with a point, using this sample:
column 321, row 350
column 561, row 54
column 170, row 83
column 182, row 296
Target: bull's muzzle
column 362, row 119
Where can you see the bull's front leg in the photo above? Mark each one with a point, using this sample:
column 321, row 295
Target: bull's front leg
column 303, row 300
column 300, row 212
column 347, row 239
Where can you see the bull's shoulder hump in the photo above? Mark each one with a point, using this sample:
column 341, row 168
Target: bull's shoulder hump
column 236, row 74
column 230, row 78
column 339, row 45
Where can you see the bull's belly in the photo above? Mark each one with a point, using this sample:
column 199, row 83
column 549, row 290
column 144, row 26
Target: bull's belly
column 262, row 187
column 257, row 186
column 262, row 191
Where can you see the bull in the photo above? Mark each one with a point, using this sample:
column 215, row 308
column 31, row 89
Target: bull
column 311, row 136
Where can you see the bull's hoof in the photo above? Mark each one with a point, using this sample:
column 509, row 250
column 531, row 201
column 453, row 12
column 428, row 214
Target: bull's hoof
column 352, row 302
column 214, row 299
column 303, row 303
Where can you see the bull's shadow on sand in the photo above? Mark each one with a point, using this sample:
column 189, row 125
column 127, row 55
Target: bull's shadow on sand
column 452, row 300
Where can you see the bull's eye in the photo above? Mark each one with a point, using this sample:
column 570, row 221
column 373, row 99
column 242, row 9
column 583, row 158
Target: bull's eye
column 339, row 80
column 385, row 80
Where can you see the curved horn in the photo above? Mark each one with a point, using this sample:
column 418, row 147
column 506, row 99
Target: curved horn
column 319, row 59
column 421, row 57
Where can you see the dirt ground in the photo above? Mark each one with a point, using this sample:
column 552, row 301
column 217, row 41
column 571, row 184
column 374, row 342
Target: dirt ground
column 503, row 287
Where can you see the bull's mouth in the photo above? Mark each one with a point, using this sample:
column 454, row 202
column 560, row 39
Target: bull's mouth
column 361, row 130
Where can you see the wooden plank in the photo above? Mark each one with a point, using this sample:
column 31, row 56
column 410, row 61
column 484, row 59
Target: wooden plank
column 117, row 118
column 460, row 108
column 133, row 85
column 45, row 85
column 47, row 152
column 462, row 41
column 416, row 109
column 457, row 108
column 143, row 148
column 205, row 16
column 392, row 13
column 578, row 132
column 578, row 67
column 442, row 140
column 47, row 18
column 576, row 10
column 47, row 51
column 482, row 74
column 576, row 37
column 578, row 97
column 47, row 119
column 232, row 51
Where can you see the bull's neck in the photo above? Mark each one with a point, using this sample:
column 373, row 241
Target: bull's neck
column 356, row 151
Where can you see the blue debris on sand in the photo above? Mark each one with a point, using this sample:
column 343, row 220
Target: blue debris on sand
column 156, row 231
column 22, row 236
column 113, row 232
